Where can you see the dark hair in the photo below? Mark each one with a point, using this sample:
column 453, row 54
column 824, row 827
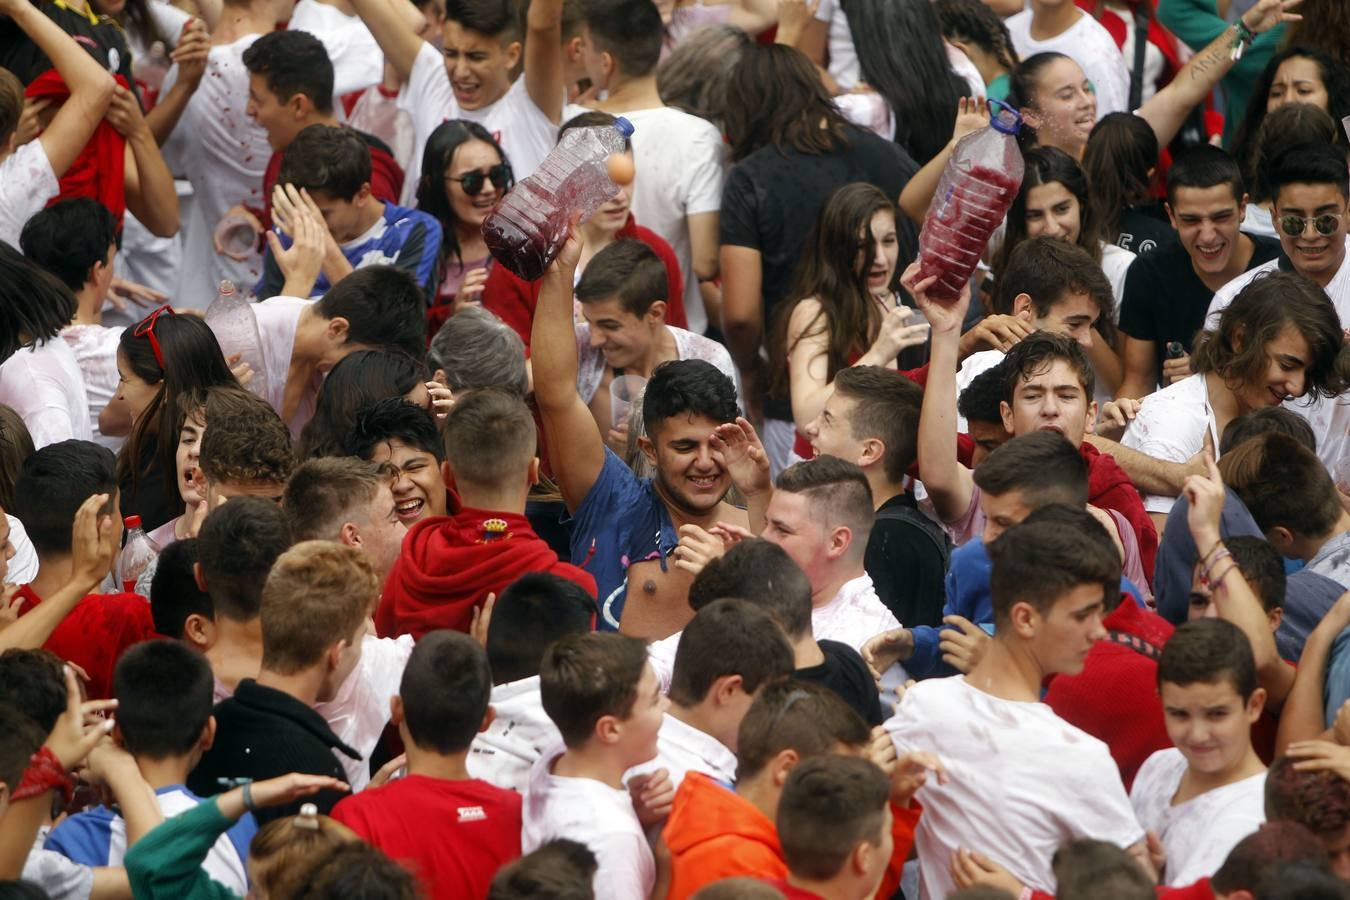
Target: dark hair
column 293, row 62
column 775, row 98
column 1283, row 484
column 393, row 419
column 1043, row 466
column 1261, row 851
column 1119, row 161
column 1205, row 166
column 53, row 483
column 1050, row 165
column 919, row 84
column 1306, row 164
column 137, row 19
column 1208, row 651
column 164, row 693
column 974, row 22
column 829, row 805
column 1335, row 79
column 1236, row 350
column 20, row 738
column 981, row 400
column 1048, row 555
column 562, row 869
column 837, row 491
column 22, row 890
column 1261, row 565
column 1046, row 270
column 1317, row 800
column 728, row 637
column 1086, row 868
column 236, row 547
column 68, row 238
column 490, row 438
column 533, row 611
column 174, row 594
column 476, row 349
column 358, row 380
column 490, row 18
column 432, row 197
column 16, row 445
column 627, row 269
column 322, row 494
column 34, row 304
column 628, row 30
column 1023, row 82
column 694, row 76
column 356, row 871
column 1266, row 420
column 886, row 406
column 1036, row 353
column 445, row 690
column 328, row 159
column 384, row 307
column 592, row 119
column 831, row 275
column 1302, row 881
column 688, row 387
column 585, row 677
column 1290, row 125
column 35, row 682
column 795, row 715
column 761, row 573
column 255, row 446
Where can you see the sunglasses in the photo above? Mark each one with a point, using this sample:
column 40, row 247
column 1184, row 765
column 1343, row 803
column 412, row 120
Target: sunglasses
column 146, row 328
column 472, row 182
column 1294, row 226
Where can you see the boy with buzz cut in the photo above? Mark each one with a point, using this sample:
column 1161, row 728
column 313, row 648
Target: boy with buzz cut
column 452, row 830
column 1207, row 792
column 604, row 697
column 163, row 693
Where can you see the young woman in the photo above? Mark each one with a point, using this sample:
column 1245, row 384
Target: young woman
column 464, row 173
column 972, row 27
column 844, row 309
column 1120, row 163
column 1288, row 126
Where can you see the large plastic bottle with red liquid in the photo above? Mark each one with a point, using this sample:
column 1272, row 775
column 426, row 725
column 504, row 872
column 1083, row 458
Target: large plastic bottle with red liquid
column 527, row 227
column 977, row 188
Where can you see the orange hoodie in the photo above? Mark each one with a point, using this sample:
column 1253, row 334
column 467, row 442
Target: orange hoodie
column 714, row 833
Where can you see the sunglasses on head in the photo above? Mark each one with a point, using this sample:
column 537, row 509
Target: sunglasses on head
column 146, row 328
column 472, row 182
column 1294, row 226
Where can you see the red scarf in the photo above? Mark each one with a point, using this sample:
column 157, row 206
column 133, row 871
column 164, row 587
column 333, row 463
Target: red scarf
column 99, row 170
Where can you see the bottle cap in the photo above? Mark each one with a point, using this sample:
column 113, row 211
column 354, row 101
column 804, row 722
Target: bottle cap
column 132, row 521
column 1004, row 118
column 625, row 127
column 226, row 287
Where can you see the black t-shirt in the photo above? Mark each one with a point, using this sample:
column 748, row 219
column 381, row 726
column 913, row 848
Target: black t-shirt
column 1166, row 301
column 907, row 563
column 1144, row 229
column 845, row 673
column 100, row 36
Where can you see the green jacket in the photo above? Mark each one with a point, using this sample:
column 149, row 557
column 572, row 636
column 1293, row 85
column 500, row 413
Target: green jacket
column 166, row 864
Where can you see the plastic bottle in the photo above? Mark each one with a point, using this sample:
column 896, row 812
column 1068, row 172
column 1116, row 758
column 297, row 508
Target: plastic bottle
column 528, row 226
column 236, row 328
column 973, row 196
column 138, row 552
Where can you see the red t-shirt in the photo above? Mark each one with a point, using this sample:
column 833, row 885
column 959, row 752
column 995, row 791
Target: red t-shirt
column 452, row 835
column 94, row 634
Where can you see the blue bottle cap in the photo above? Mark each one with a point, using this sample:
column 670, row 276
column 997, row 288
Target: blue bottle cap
column 1002, row 117
column 625, row 127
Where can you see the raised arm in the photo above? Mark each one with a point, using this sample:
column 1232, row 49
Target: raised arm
column 151, row 195
column 971, row 115
column 575, row 448
column 190, row 55
column 1304, row 718
column 399, row 43
column 544, row 58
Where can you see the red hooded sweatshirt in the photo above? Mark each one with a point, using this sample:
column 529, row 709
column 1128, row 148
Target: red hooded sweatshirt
column 450, row 564
column 98, row 171
column 1110, row 488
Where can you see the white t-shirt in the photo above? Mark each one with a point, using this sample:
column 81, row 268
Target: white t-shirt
column 681, row 748
column 360, row 710
column 1197, row 835
column 1115, row 263
column 526, row 134
column 1022, row 781
column 277, row 320
column 1171, row 426
column 23, row 568
column 520, row 733
column 95, row 349
column 357, row 60
column 27, row 182
column 1088, row 43
column 595, row 814
column 44, row 386
column 688, row 345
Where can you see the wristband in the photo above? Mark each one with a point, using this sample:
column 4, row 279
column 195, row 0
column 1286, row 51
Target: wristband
column 248, row 796
column 1241, row 40
column 1204, row 576
column 45, row 773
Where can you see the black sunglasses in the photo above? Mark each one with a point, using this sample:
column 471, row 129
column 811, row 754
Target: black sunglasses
column 1294, row 226
column 472, row 182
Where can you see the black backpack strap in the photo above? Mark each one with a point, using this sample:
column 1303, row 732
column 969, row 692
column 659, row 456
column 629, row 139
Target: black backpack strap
column 1140, row 49
column 1134, row 642
column 906, row 513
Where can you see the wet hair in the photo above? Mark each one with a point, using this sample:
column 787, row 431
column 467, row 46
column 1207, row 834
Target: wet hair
column 728, row 637
column 694, row 76
column 981, row 400
column 293, row 62
column 886, row 406
column 562, row 869
column 357, row 381
column 384, row 307
column 1261, row 851
column 1290, row 125
column 975, row 22
column 1043, row 466
column 53, row 484
column 775, row 98
column 394, row 419
column 688, row 387
column 33, row 681
column 1048, row 270
column 16, row 445
column 829, row 805
column 585, row 677
column 164, row 692
column 1086, row 868
column 1266, row 420
column 533, row 611
column 476, row 349
column 1283, row 484
column 763, row 574
column 68, row 238
column 807, row 718
column 628, row 270
column 1050, row 165
column 1205, row 166
column 1036, row 353
column 328, row 159
column 432, row 193
column 1335, row 79
column 444, row 691
column 236, row 547
column 490, row 18
column 34, row 304
column 1054, row 550
column 174, row 594
column 628, row 30
column 1208, row 651
column 1119, row 161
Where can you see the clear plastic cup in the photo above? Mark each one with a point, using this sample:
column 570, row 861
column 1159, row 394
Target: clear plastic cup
column 624, row 391
column 236, row 236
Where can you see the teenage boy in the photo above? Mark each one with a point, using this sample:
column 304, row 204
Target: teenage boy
column 181, row 609
column 314, row 610
column 1057, row 26
column 452, row 830
column 470, row 75
column 980, row 404
column 323, row 196
column 623, row 301
column 681, row 156
column 1168, row 291
column 1049, row 585
column 608, row 706
column 404, row 436
column 1207, row 792
column 163, row 693
column 349, row 501
column 533, row 612
column 449, row 565
column 871, row 418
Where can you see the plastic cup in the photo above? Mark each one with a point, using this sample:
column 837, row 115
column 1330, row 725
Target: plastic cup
column 623, row 393
column 236, row 236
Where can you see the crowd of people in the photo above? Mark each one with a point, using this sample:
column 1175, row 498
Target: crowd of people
column 726, row 559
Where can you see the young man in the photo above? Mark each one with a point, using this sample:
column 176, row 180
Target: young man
column 981, row 405
column 605, row 700
column 534, row 611
column 181, row 609
column 250, row 456
column 449, row 565
column 681, row 156
column 1168, row 291
column 349, row 501
column 623, row 300
column 323, row 186
column 872, row 418
column 163, row 693
column 1049, row 584
column 452, row 830
column 1057, row 26
column 834, row 823
column 314, row 610
column 1206, row 793
column 481, row 46
column 404, row 436
column 727, row 653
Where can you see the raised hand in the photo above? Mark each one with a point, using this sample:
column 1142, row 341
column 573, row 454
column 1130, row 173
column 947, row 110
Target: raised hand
column 972, row 114
column 94, row 542
column 997, row 332
column 743, row 455
column 1205, row 495
column 897, row 332
column 79, row 729
column 1269, row 13
column 194, row 46
column 944, row 318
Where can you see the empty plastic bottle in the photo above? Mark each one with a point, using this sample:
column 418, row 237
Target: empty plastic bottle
column 138, row 552
column 528, row 227
column 977, row 187
column 231, row 317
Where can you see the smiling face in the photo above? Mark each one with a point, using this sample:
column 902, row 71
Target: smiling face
column 1053, row 211
column 831, row 433
column 419, row 491
column 644, row 721
column 1316, row 255
column 1210, row 723
column 1050, row 400
column 1207, row 220
column 1285, row 374
column 478, row 65
column 1065, row 635
column 186, row 457
column 1065, row 106
column 689, row 474
column 624, row 338
column 1297, row 80
column 472, row 156
column 885, row 251
column 383, row 532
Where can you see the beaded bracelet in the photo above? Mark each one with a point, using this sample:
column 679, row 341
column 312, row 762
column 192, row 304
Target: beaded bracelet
column 1222, row 554
column 45, row 773
column 1242, row 39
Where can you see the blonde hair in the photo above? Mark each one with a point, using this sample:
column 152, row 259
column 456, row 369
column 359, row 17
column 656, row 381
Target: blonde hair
column 317, row 594
column 281, row 850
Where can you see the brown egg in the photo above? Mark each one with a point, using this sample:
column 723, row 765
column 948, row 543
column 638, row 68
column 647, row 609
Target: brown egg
column 620, row 167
